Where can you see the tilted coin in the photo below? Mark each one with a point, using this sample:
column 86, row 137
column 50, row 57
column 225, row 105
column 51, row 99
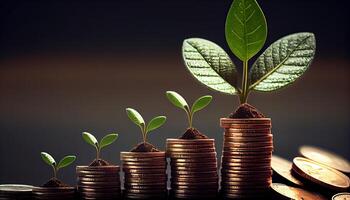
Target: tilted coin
column 341, row 196
column 326, row 157
column 15, row 188
column 283, row 168
column 295, row 193
column 320, row 174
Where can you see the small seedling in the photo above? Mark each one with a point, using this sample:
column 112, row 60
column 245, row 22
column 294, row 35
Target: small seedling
column 180, row 102
column 64, row 162
column 246, row 30
column 136, row 117
column 105, row 141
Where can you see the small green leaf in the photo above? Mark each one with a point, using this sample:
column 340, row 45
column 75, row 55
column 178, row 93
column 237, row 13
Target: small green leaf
column 283, row 62
column 108, row 139
column 210, row 65
column 155, row 123
column 67, row 160
column 177, row 100
column 201, row 103
column 246, row 28
column 90, row 139
column 135, row 117
column 48, row 159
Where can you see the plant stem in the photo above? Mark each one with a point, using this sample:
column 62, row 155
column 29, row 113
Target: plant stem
column 144, row 134
column 244, row 95
column 98, row 150
column 189, row 117
column 54, row 171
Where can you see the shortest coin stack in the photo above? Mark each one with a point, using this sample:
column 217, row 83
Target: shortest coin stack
column 54, row 193
column 193, row 168
column 15, row 191
column 100, row 182
column 246, row 158
column 144, row 175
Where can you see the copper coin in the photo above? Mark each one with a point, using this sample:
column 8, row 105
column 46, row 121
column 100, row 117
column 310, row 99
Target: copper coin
column 283, row 168
column 341, row 196
column 142, row 154
column 191, row 155
column 190, row 141
column 150, row 159
column 247, row 154
column 266, row 149
column 144, row 171
column 320, row 174
column 245, row 120
column 193, row 150
column 326, row 157
column 148, row 163
column 126, row 166
column 175, row 173
column 268, row 137
column 190, row 146
column 295, row 193
column 193, row 160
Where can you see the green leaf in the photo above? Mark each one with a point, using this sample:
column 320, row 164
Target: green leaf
column 67, row 160
column 108, row 139
column 246, row 28
column 135, row 117
column 155, row 123
column 90, row 139
column 201, row 103
column 210, row 65
column 48, row 159
column 177, row 100
column 283, row 62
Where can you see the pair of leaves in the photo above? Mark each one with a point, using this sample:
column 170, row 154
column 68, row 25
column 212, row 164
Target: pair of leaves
column 246, row 30
column 64, row 162
column 279, row 65
column 105, row 141
column 136, row 117
column 177, row 100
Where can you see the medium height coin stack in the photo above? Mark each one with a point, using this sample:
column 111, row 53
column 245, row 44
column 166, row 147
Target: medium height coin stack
column 144, row 175
column 193, row 168
column 246, row 158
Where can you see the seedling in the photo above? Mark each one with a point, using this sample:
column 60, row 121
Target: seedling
column 104, row 142
column 64, row 162
column 178, row 101
column 136, row 117
column 246, row 31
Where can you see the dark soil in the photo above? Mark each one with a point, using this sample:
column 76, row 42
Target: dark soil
column 144, row 147
column 54, row 182
column 192, row 133
column 99, row 162
column 246, row 111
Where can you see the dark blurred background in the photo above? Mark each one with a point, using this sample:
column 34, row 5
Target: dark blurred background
column 73, row 66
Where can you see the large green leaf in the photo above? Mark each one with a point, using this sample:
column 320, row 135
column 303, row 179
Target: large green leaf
column 246, row 28
column 155, row 123
column 66, row 161
column 283, row 62
column 210, row 65
column 48, row 159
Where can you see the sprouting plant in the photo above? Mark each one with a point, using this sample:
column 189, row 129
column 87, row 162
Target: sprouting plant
column 136, row 117
column 64, row 162
column 105, row 141
column 246, row 31
column 178, row 101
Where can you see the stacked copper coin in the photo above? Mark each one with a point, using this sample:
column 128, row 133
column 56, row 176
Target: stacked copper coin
column 100, row 182
column 144, row 175
column 193, row 168
column 246, row 158
column 54, row 193
column 16, row 191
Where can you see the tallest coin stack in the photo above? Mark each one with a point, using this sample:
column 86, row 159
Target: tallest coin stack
column 246, row 158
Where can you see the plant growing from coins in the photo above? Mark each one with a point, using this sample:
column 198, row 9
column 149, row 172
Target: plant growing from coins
column 104, row 142
column 64, row 162
column 177, row 100
column 136, row 117
column 246, row 30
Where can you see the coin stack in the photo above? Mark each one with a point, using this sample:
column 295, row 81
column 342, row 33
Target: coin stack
column 99, row 182
column 282, row 191
column 246, row 158
column 54, row 193
column 193, row 168
column 144, row 175
column 15, row 191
